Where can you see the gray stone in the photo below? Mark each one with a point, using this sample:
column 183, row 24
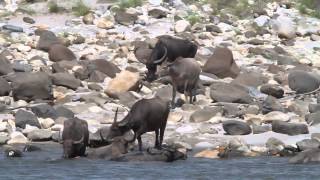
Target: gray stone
column 203, row 115
column 289, row 128
column 5, row 66
column 59, row 52
column 274, row 145
column 66, row 80
column 313, row 118
column 125, row 18
column 253, row 79
column 4, row 87
column 308, row 144
column 271, row 104
column 234, row 127
column 258, row 129
column 23, row 117
column 314, row 108
column 272, row 90
column 13, row 28
column 44, row 111
column 303, row 82
column 40, row 135
column 47, row 39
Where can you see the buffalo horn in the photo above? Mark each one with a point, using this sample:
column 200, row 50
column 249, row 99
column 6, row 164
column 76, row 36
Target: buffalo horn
column 163, row 57
column 115, row 116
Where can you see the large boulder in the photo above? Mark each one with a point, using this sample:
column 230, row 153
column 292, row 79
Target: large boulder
column 66, row 80
column 17, row 138
column 5, row 65
column 4, row 87
column 31, row 86
column 303, row 82
column 105, row 67
column 222, row 64
column 182, row 26
column 123, row 82
column 44, row 111
column 47, row 39
column 233, row 93
column 289, row 128
column 22, row 118
column 253, row 79
column 40, row 135
column 126, row 18
column 60, row 52
column 234, row 127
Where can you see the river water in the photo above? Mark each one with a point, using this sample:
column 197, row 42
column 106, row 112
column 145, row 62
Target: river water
column 47, row 164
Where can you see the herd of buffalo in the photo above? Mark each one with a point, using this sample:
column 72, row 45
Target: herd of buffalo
column 146, row 115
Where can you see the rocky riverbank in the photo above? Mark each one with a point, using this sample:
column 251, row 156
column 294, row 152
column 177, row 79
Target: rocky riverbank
column 57, row 66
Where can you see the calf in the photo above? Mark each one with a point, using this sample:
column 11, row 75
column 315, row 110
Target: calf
column 184, row 73
column 75, row 137
column 169, row 48
column 146, row 115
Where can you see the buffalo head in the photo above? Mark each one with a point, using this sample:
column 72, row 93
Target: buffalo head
column 69, row 147
column 158, row 55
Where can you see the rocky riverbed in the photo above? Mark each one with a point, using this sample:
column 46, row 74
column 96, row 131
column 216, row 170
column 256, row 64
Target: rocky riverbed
column 58, row 66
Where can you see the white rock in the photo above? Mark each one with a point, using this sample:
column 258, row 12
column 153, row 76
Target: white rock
column 185, row 129
column 262, row 20
column 46, row 123
column 17, row 138
column 29, row 128
column 182, row 26
column 3, row 126
column 284, row 26
column 155, row 2
column 57, row 127
column 203, row 145
column 23, row 48
column 276, row 115
column 95, row 109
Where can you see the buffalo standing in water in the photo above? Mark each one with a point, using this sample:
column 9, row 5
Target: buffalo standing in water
column 169, row 48
column 146, row 115
column 75, row 138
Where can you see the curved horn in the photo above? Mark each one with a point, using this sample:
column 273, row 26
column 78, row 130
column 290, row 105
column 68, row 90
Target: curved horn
column 163, row 57
column 80, row 141
column 116, row 116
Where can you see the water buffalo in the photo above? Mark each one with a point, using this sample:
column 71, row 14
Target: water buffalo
column 146, row 115
column 75, row 137
column 118, row 147
column 168, row 48
column 184, row 73
column 307, row 156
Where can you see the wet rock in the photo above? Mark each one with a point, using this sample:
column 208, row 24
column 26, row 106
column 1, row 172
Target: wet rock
column 12, row 28
column 40, row 135
column 302, row 82
column 88, row 18
column 17, row 138
column 203, row 115
column 123, row 82
column 313, row 118
column 307, row 156
column 233, row 93
column 222, row 64
column 274, row 145
column 271, row 104
column 47, row 39
column 308, row 144
column 234, row 127
column 66, row 80
column 272, row 90
column 157, row 13
column 28, row 20
column 58, row 52
column 289, row 128
column 22, row 118
column 5, row 66
column 4, row 87
column 105, row 67
column 253, row 79
column 31, row 86
column 125, row 18
column 182, row 26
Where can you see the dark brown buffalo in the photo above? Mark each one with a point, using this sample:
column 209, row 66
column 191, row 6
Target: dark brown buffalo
column 169, row 48
column 146, row 115
column 75, row 138
column 184, row 73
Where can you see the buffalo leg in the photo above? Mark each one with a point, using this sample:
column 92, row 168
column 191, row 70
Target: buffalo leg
column 162, row 129
column 174, row 91
column 185, row 90
column 139, row 142
column 156, row 145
